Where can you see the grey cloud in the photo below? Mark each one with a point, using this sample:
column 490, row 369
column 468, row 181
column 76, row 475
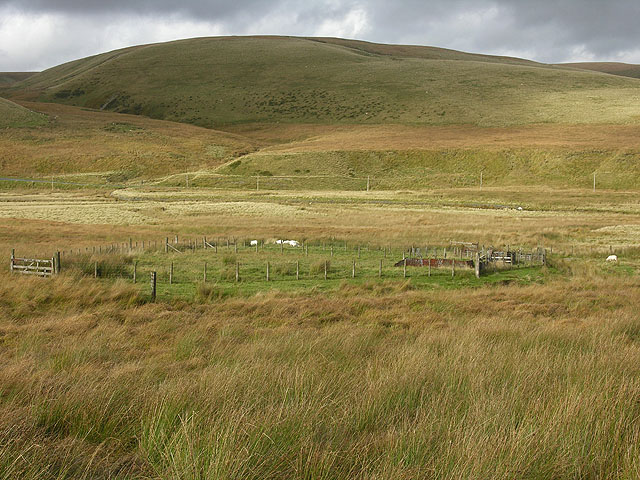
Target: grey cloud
column 543, row 30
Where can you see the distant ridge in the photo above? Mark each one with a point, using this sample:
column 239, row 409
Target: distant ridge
column 613, row 68
column 9, row 78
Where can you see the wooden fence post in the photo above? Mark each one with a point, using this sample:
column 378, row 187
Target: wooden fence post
column 325, row 269
column 171, row 274
column 237, row 272
column 58, row 266
column 135, row 271
column 477, row 265
column 166, row 245
column 267, row 271
column 281, row 247
column 205, row 272
column 353, row 269
column 404, row 268
column 297, row 270
column 153, row 286
column 13, row 258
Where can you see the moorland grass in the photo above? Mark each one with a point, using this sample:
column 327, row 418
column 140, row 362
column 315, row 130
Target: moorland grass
column 511, row 381
column 103, row 148
column 228, row 80
column 16, row 116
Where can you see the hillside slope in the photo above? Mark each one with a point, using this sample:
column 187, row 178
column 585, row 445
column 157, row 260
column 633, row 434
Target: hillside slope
column 110, row 147
column 613, row 68
column 229, row 80
column 13, row 115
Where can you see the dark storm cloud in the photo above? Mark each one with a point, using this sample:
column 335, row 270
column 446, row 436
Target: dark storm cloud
column 39, row 33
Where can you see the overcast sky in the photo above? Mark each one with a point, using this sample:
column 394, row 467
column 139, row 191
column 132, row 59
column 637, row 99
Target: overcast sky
column 37, row 34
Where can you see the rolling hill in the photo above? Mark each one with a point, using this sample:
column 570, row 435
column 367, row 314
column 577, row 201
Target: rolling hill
column 612, row 68
column 222, row 81
column 13, row 115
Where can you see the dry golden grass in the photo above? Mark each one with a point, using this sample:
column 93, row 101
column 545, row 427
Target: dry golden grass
column 553, row 218
column 118, row 146
column 318, row 138
column 376, row 381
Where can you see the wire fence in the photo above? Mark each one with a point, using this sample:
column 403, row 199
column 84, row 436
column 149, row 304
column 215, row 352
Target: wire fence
column 185, row 266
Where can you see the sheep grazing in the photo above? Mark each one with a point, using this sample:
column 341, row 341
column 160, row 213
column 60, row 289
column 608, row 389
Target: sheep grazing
column 253, row 243
column 612, row 258
column 293, row 243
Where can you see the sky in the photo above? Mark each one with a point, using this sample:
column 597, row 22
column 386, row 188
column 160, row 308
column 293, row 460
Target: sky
column 38, row 34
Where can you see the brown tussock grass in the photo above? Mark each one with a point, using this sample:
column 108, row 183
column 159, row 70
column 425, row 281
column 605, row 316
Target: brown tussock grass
column 393, row 382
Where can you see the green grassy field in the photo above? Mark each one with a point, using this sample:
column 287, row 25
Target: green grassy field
column 291, row 269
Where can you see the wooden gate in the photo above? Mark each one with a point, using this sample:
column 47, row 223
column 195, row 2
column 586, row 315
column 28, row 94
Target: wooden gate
column 33, row 266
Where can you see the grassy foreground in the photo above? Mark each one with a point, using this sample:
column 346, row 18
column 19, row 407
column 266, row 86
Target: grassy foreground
column 378, row 381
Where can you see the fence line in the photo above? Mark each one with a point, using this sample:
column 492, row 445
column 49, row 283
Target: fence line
column 469, row 257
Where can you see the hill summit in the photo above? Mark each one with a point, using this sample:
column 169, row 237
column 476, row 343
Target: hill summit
column 219, row 81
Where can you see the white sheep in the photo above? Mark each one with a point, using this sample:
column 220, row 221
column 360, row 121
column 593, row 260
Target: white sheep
column 254, row 243
column 612, row 258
